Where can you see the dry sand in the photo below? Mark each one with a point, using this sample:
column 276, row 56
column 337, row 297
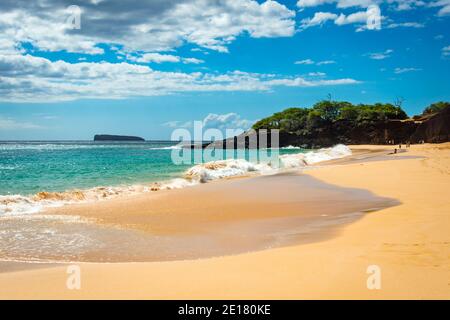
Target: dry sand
column 409, row 242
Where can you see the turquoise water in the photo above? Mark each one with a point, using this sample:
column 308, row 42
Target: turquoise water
column 30, row 167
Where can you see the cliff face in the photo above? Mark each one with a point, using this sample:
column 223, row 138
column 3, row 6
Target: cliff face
column 433, row 129
column 108, row 137
column 436, row 129
column 339, row 132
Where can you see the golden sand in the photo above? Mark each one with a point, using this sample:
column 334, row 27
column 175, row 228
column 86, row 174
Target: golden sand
column 410, row 243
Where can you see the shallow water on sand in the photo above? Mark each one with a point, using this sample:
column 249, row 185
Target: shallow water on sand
column 321, row 209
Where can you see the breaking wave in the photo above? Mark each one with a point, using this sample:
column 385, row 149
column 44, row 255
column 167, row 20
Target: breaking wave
column 11, row 205
column 175, row 147
column 223, row 169
column 291, row 148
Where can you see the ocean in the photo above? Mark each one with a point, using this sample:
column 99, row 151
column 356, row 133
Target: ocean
column 38, row 174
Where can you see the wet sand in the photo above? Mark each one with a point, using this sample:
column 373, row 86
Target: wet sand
column 216, row 219
column 409, row 241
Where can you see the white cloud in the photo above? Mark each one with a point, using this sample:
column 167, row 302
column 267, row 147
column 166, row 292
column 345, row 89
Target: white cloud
column 405, row 25
column 147, row 25
column 380, row 55
column 229, row 121
column 300, row 82
column 320, row 63
column 357, row 17
column 361, row 16
column 154, row 57
column 399, row 5
column 404, row 70
column 312, row 3
column 444, row 7
column 192, row 61
column 319, row 18
column 11, row 124
column 446, row 51
column 29, row 78
column 226, row 121
column 403, row 5
column 317, row 74
column 339, row 3
column 178, row 124
column 306, row 61
column 310, row 62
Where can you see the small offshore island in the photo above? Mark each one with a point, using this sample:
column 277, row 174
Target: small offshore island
column 109, row 137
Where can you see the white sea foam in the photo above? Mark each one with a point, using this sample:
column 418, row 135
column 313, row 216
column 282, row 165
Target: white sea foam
column 45, row 146
column 291, row 148
column 224, row 168
column 336, row 152
column 175, row 147
column 8, row 167
column 237, row 167
column 313, row 157
column 13, row 205
column 18, row 205
column 75, row 146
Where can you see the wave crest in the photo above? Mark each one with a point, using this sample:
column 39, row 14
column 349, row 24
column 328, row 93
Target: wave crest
column 202, row 173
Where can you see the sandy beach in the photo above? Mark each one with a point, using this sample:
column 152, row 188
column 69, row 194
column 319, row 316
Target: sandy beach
column 402, row 227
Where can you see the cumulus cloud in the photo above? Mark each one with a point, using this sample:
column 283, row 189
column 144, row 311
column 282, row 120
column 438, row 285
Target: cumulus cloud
column 399, row 5
column 318, row 19
column 145, row 25
column 192, row 61
column 361, row 16
column 404, row 5
column 357, row 17
column 404, row 70
column 154, row 57
column 30, row 78
column 339, row 3
column 380, row 55
column 444, row 6
column 321, row 18
column 230, row 123
column 226, row 121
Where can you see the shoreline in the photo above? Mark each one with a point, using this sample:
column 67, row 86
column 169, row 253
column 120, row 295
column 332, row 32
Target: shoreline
column 410, row 243
column 197, row 173
column 256, row 212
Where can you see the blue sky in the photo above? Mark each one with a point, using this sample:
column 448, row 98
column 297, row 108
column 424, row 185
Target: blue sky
column 147, row 67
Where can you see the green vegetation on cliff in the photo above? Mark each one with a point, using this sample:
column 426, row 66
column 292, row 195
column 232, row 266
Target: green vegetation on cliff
column 324, row 113
column 436, row 107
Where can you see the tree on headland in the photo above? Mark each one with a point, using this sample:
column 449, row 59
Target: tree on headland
column 324, row 113
column 436, row 107
column 330, row 122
